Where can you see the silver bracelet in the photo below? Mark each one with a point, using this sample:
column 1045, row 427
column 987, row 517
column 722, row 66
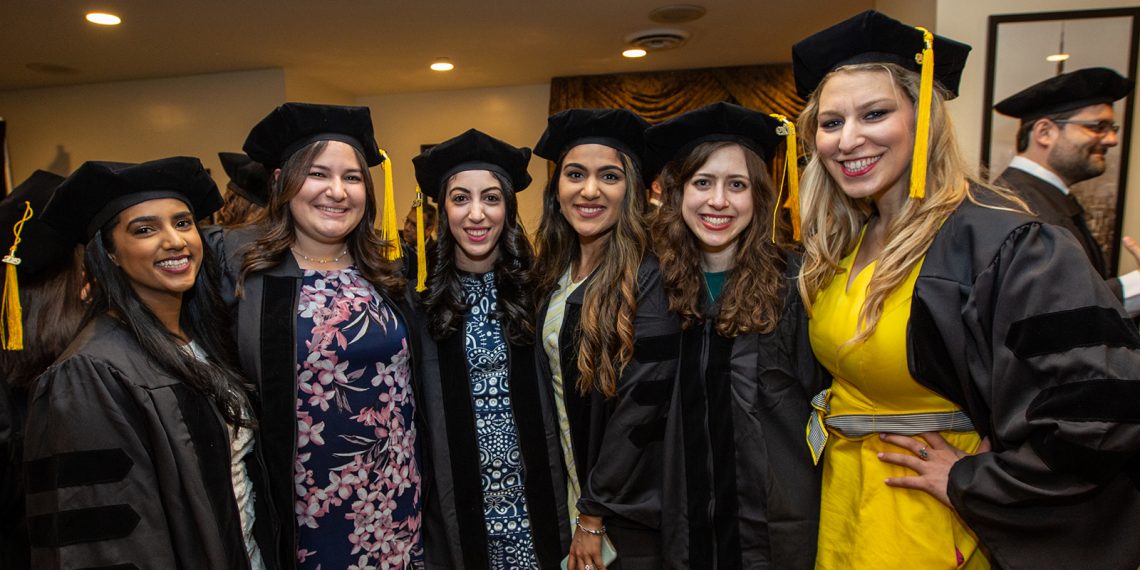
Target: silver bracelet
column 593, row 531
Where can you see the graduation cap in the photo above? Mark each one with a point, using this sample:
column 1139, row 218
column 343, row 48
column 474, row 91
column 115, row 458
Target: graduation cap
column 1065, row 92
column 759, row 132
column 248, row 178
column 872, row 37
column 29, row 247
column 472, row 150
column 292, row 126
column 619, row 129
column 97, row 191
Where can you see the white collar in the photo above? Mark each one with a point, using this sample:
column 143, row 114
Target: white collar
column 1022, row 163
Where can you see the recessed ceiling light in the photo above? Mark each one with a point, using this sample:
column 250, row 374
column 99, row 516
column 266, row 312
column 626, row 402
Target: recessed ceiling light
column 1057, row 57
column 442, row 64
column 104, row 19
column 634, row 52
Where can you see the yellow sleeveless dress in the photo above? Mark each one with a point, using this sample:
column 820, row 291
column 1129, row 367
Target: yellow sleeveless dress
column 863, row 522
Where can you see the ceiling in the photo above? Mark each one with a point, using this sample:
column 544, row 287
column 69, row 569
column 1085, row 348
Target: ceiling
column 374, row 47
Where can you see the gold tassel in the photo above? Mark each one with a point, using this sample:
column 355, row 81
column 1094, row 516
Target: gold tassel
column 421, row 247
column 389, row 227
column 11, row 314
column 787, row 129
column 922, row 125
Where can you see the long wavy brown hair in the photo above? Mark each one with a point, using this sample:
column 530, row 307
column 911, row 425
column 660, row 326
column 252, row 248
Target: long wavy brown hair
column 606, row 329
column 751, row 301
column 832, row 221
column 278, row 233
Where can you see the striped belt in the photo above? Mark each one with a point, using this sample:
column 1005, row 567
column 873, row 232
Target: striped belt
column 862, row 425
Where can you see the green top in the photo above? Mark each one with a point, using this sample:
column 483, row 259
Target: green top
column 715, row 283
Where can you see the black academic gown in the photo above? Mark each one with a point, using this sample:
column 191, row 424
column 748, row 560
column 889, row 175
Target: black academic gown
column 13, row 532
column 1057, row 208
column 1010, row 322
column 618, row 443
column 265, row 322
column 741, row 490
column 128, row 467
column 454, row 529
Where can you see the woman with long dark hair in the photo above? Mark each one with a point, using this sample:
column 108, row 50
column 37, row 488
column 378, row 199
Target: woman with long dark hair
column 49, row 276
column 741, row 490
column 979, row 360
column 139, row 451
column 495, row 455
column 609, row 342
column 323, row 335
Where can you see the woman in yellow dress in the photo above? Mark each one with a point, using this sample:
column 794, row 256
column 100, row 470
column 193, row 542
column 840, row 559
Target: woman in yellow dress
column 954, row 324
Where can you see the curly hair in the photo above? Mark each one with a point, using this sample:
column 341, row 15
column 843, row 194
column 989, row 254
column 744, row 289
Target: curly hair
column 751, row 301
column 515, row 305
column 606, row 329
column 832, row 221
column 278, row 233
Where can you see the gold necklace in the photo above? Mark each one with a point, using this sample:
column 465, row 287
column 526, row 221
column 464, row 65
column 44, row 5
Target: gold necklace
column 318, row 260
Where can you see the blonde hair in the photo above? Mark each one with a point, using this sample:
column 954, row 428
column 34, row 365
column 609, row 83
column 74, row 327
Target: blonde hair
column 832, row 221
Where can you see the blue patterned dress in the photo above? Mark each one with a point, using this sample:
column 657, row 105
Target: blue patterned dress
column 356, row 478
column 509, row 541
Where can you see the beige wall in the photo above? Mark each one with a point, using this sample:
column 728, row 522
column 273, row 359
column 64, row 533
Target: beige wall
column 967, row 21
column 58, row 129
column 914, row 12
column 403, row 122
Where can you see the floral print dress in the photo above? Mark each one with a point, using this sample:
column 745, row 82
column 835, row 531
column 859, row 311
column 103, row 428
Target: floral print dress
column 509, row 541
column 356, row 478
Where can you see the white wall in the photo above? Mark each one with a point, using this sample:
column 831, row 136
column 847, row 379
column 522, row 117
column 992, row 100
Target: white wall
column 967, row 21
column 404, row 121
column 59, row 128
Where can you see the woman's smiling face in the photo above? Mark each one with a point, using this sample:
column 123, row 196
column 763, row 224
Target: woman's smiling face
column 865, row 136
column 591, row 188
column 157, row 246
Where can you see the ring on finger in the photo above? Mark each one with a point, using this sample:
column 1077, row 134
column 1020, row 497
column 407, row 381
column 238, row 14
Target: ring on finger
column 588, row 567
column 922, row 453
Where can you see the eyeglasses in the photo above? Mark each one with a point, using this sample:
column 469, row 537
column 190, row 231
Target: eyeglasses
column 1098, row 128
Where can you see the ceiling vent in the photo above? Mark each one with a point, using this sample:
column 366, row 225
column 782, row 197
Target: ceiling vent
column 677, row 14
column 659, row 39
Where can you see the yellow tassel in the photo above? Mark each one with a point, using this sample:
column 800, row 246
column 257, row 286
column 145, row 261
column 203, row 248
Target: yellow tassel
column 922, row 125
column 792, row 172
column 11, row 314
column 421, row 247
column 389, row 226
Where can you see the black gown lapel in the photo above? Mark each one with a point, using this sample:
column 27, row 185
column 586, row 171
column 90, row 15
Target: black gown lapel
column 696, row 451
column 722, row 436
column 540, row 495
column 463, row 448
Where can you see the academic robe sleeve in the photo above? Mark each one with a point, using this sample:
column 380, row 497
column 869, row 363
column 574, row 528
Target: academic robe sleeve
column 1057, row 364
column 93, row 493
column 626, row 479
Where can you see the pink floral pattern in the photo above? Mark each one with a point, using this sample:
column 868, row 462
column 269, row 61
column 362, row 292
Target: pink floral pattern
column 356, row 477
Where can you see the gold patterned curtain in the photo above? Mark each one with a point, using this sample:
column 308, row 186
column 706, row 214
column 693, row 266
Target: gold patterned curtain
column 661, row 95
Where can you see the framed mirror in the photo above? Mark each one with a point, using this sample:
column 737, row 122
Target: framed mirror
column 1027, row 48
